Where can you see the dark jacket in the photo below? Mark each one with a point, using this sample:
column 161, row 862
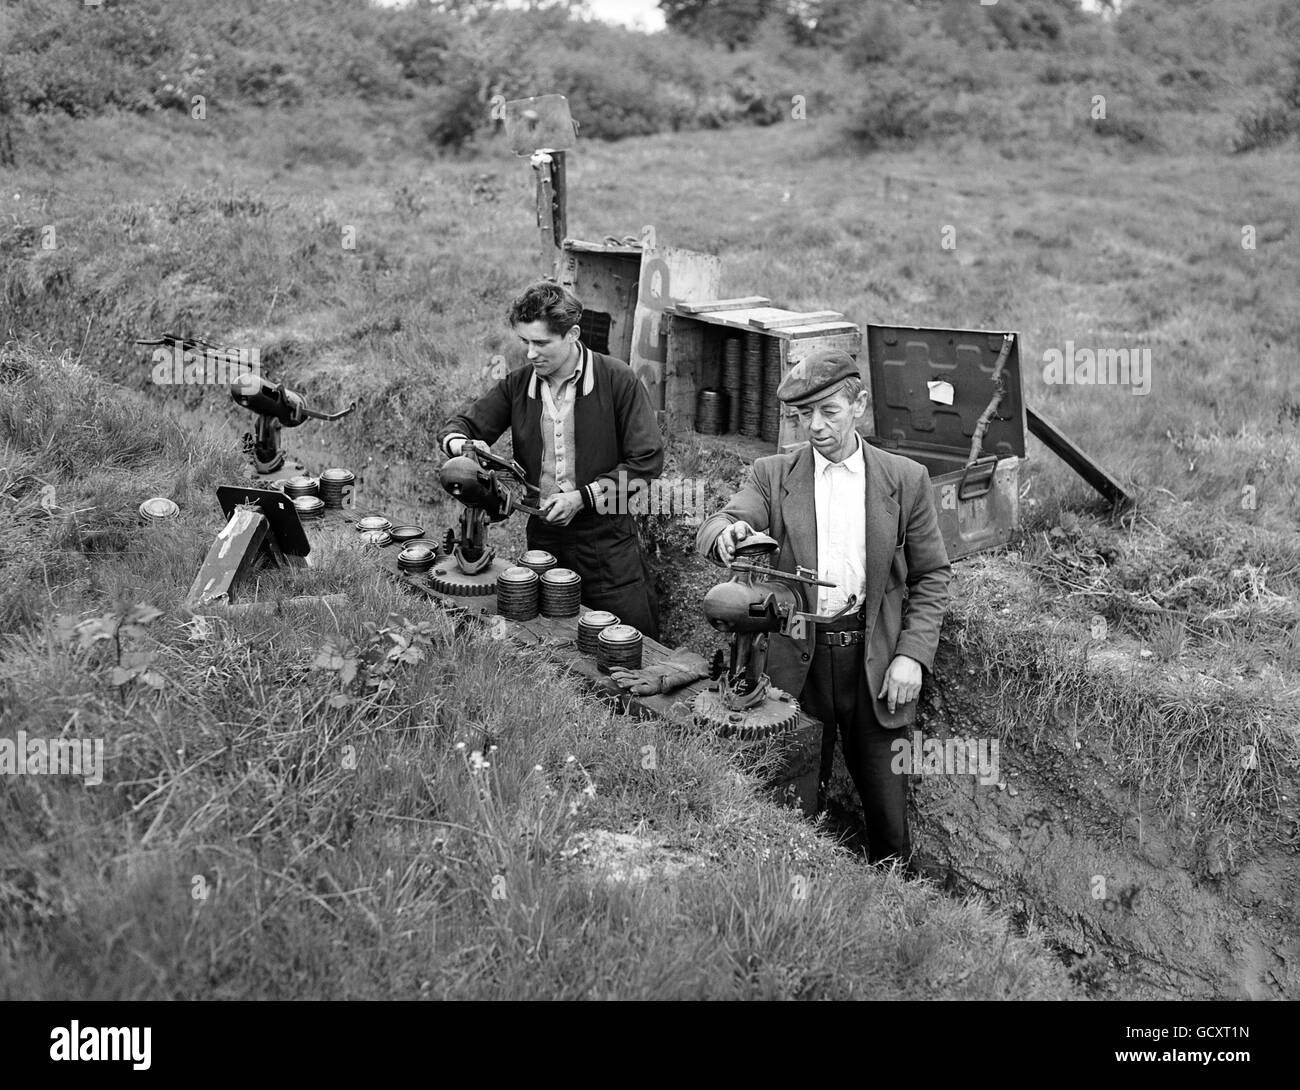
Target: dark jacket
column 907, row 563
column 614, row 427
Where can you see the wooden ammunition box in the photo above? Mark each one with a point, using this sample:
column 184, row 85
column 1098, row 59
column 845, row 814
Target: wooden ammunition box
column 604, row 275
column 625, row 289
column 697, row 337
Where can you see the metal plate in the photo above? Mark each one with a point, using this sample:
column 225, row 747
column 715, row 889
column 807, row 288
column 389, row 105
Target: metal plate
column 984, row 522
column 279, row 511
column 904, row 361
column 540, row 122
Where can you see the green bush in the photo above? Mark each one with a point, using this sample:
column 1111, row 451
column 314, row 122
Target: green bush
column 1276, row 121
column 609, row 100
column 1264, row 127
column 874, row 40
column 894, row 107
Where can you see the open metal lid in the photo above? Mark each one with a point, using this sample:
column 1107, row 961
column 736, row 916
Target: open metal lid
column 929, row 387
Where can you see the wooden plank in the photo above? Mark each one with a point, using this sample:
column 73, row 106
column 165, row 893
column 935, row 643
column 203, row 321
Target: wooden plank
column 668, row 276
column 820, row 329
column 850, row 341
column 1073, row 455
column 558, row 638
column 742, row 320
column 685, row 352
column 230, row 558
column 812, row 318
column 579, row 246
column 559, row 635
column 715, row 305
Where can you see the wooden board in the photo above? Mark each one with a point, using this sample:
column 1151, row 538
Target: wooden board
column 797, row 320
column 581, row 247
column 230, row 558
column 559, row 635
column 715, row 305
column 821, row 329
column 1069, row 452
column 771, row 321
column 668, row 276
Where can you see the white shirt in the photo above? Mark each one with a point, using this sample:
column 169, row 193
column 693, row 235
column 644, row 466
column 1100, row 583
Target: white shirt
column 841, row 505
column 558, row 454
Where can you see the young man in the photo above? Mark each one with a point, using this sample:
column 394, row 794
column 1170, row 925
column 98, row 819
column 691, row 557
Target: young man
column 864, row 519
column 583, row 430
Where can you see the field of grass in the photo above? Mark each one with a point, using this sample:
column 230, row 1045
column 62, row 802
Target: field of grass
column 416, row 871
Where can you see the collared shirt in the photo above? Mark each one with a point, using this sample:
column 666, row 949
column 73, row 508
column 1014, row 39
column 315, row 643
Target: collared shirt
column 558, row 450
column 841, row 504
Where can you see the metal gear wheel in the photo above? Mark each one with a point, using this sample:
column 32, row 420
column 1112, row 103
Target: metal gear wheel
column 447, row 578
column 766, row 719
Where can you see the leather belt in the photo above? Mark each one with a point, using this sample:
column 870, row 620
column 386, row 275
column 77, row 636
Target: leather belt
column 841, row 639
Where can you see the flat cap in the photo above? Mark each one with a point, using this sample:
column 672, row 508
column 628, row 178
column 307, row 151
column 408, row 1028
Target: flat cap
column 816, row 375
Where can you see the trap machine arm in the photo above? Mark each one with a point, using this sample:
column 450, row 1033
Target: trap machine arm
column 274, row 403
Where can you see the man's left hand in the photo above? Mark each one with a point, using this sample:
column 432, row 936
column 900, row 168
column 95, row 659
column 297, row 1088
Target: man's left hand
column 902, row 681
column 561, row 507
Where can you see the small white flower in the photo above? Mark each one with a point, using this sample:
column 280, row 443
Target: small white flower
column 570, row 759
column 537, row 768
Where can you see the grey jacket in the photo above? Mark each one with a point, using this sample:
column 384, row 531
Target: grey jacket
column 907, row 569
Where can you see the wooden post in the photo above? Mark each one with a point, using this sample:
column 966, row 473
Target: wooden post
column 552, row 216
column 559, row 198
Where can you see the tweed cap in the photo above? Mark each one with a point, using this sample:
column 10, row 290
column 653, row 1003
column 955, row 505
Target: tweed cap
column 819, row 374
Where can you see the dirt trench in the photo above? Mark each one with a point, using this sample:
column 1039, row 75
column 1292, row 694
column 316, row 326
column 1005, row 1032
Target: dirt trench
column 1134, row 902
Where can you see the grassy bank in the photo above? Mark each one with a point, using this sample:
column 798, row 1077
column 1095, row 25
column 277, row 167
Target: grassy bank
column 229, row 755
column 272, row 827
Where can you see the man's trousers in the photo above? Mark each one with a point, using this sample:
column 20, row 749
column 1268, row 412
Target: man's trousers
column 837, row 692
column 606, row 552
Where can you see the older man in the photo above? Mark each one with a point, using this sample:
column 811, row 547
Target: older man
column 865, row 520
column 583, row 430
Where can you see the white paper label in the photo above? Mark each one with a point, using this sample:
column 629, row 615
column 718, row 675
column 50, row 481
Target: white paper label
column 941, row 392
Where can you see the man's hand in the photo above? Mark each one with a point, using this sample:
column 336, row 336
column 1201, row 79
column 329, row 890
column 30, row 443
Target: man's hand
column 902, row 681
column 463, row 446
column 561, row 507
column 730, row 538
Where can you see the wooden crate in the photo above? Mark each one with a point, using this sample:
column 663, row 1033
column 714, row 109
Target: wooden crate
column 604, row 275
column 697, row 333
column 625, row 289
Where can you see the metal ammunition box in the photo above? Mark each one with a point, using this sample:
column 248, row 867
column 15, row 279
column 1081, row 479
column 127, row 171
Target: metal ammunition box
column 929, row 388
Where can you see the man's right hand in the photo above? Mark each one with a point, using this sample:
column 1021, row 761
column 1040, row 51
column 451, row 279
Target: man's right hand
column 459, row 447
column 730, row 538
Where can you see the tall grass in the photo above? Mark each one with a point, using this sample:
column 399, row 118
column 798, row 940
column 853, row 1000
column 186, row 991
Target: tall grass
column 371, row 802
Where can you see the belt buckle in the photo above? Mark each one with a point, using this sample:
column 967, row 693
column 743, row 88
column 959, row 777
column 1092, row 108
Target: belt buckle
column 844, row 639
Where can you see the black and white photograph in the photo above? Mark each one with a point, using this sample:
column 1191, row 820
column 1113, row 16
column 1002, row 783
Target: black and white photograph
column 616, row 500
